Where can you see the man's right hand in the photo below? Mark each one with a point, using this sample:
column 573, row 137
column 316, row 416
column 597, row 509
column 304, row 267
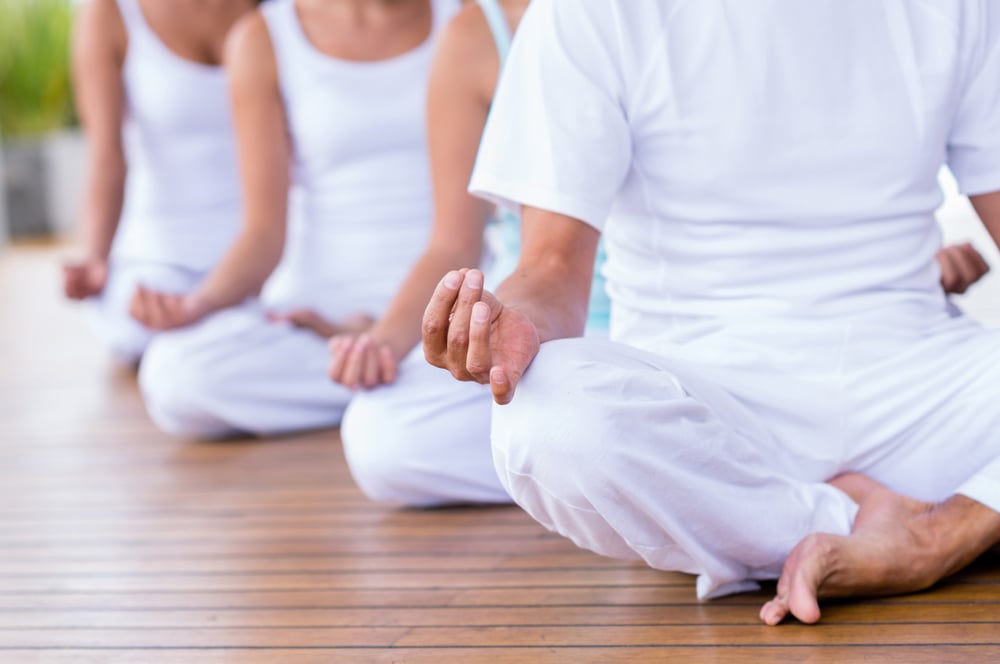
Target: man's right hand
column 961, row 266
column 469, row 332
column 85, row 279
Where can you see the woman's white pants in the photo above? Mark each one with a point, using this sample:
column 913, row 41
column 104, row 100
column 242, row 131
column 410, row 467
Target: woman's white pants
column 236, row 372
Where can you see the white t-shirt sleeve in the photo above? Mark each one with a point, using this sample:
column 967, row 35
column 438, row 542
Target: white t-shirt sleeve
column 974, row 143
column 558, row 137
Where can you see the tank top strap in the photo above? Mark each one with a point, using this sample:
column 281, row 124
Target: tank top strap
column 132, row 16
column 282, row 23
column 442, row 13
column 288, row 39
column 498, row 26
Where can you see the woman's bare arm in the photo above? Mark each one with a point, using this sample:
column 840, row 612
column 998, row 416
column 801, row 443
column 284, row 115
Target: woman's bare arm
column 461, row 84
column 265, row 153
column 98, row 52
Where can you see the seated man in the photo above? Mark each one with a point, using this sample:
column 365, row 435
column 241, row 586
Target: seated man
column 786, row 392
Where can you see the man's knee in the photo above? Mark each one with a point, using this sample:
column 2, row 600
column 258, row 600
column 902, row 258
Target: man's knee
column 553, row 427
column 577, row 404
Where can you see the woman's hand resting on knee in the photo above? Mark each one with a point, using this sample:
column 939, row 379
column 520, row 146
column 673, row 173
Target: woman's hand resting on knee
column 165, row 311
column 469, row 332
column 362, row 361
column 85, row 278
column 310, row 319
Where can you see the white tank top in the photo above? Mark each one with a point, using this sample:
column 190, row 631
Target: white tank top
column 182, row 192
column 360, row 209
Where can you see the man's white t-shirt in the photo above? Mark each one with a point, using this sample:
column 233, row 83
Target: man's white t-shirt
column 773, row 159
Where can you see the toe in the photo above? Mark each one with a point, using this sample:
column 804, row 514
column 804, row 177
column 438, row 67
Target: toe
column 774, row 611
column 803, row 604
column 808, row 568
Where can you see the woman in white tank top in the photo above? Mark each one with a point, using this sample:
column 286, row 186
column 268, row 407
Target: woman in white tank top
column 162, row 199
column 414, row 435
column 329, row 105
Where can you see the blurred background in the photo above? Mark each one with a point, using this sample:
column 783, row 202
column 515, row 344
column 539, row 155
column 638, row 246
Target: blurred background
column 42, row 151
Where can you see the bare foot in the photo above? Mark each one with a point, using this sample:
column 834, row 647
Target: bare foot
column 898, row 545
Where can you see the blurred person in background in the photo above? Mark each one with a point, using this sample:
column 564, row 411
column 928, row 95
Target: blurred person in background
column 329, row 102
column 162, row 199
column 413, row 435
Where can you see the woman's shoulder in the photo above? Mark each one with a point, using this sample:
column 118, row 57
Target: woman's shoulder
column 467, row 30
column 249, row 40
column 479, row 25
column 100, row 24
column 469, row 39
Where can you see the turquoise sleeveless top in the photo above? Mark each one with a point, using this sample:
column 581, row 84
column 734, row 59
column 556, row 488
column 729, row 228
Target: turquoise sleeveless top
column 504, row 231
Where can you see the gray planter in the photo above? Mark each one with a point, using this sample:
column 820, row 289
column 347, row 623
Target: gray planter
column 3, row 204
column 43, row 182
column 26, row 184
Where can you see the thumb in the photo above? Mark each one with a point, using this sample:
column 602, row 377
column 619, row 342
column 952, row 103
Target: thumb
column 495, row 305
column 502, row 385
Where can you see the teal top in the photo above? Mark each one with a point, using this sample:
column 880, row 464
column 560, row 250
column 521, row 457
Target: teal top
column 498, row 26
column 504, row 234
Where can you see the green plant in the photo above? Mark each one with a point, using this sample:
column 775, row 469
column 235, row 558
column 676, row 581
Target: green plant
column 35, row 87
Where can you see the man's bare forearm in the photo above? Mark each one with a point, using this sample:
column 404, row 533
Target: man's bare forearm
column 551, row 296
column 551, row 284
column 987, row 206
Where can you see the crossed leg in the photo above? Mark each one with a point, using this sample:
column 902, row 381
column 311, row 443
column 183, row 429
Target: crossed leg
column 897, row 545
column 678, row 483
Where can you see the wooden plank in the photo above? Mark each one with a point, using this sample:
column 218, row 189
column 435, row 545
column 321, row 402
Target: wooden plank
column 506, row 636
column 345, row 563
column 537, row 655
column 108, row 548
column 382, row 579
column 421, row 599
column 262, row 615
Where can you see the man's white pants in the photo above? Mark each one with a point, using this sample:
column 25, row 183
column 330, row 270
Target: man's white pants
column 236, row 372
column 424, row 440
column 125, row 337
column 712, row 458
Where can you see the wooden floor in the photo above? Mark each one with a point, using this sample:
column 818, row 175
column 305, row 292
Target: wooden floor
column 120, row 544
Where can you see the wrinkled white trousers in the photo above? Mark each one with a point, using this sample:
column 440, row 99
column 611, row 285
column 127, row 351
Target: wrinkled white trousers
column 125, row 338
column 236, row 372
column 424, row 440
column 711, row 458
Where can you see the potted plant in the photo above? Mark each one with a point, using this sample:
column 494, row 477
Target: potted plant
column 42, row 160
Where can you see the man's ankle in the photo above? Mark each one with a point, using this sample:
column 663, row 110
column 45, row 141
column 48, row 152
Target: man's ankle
column 969, row 529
